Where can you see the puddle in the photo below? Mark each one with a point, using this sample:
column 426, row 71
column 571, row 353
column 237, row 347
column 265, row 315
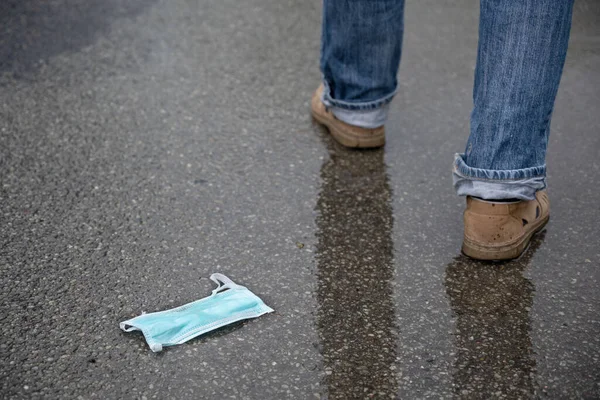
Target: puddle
column 356, row 319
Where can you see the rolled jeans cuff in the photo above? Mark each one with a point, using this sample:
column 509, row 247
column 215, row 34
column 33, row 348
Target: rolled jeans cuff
column 354, row 106
column 367, row 118
column 490, row 184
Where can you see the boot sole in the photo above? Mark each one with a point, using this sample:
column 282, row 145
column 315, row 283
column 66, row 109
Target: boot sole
column 500, row 253
column 350, row 139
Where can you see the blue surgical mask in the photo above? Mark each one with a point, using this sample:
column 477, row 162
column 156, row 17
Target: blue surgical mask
column 228, row 303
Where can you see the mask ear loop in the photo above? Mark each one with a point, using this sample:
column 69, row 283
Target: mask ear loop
column 223, row 283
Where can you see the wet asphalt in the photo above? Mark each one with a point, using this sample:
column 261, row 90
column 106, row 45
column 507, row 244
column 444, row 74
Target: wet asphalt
column 147, row 144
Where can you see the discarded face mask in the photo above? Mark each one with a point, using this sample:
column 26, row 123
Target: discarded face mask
column 228, row 303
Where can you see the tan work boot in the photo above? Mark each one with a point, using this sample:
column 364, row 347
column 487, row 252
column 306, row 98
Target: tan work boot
column 502, row 231
column 346, row 134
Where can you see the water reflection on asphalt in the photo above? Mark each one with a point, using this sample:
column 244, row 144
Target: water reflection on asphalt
column 492, row 302
column 356, row 321
column 355, row 271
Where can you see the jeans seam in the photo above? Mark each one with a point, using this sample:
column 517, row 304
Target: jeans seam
column 492, row 180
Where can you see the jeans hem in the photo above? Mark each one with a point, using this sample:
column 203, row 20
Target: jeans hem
column 461, row 168
column 354, row 106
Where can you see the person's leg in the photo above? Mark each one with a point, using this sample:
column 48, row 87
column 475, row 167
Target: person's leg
column 360, row 55
column 522, row 49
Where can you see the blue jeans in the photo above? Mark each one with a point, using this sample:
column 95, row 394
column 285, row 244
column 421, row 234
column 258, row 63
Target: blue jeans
column 521, row 53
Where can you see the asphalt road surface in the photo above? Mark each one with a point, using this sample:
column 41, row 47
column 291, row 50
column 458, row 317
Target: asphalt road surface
column 146, row 144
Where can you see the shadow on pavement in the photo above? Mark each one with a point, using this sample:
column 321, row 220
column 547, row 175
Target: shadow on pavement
column 355, row 273
column 492, row 338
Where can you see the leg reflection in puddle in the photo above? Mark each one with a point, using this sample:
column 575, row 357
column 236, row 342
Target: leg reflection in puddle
column 355, row 272
column 492, row 303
